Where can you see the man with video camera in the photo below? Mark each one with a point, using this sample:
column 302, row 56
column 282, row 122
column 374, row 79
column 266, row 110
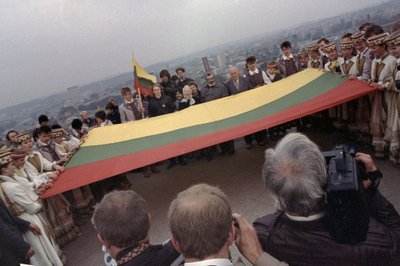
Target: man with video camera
column 316, row 207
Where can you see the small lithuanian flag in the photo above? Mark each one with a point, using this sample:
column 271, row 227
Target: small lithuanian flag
column 142, row 81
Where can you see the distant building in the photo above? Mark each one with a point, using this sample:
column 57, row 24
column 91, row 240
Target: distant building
column 221, row 60
column 207, row 68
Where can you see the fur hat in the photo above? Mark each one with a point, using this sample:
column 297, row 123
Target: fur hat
column 18, row 154
column 358, row 37
column 393, row 39
column 377, row 40
column 330, row 47
column 57, row 132
column 21, row 137
column 346, row 44
column 313, row 48
column 5, row 158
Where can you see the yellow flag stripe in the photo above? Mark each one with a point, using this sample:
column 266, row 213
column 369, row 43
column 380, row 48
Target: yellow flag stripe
column 201, row 114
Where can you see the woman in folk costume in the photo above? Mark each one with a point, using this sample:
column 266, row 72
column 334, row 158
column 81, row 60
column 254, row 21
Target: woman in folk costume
column 393, row 122
column 314, row 57
column 337, row 113
column 333, row 64
column 82, row 197
column 381, row 77
column 303, row 59
column 57, row 208
column 348, row 67
column 37, row 183
column 347, row 61
column 25, row 204
column 363, row 62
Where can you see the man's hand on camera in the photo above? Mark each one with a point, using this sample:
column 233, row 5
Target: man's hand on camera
column 366, row 159
column 246, row 239
column 370, row 166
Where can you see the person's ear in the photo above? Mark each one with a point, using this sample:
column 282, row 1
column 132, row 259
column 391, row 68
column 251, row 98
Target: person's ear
column 104, row 242
column 231, row 237
column 175, row 244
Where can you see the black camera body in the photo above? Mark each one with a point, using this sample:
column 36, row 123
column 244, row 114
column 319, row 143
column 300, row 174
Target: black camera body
column 346, row 206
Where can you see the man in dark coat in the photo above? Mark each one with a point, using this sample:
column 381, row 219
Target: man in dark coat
column 182, row 79
column 160, row 104
column 237, row 83
column 214, row 90
column 123, row 222
column 13, row 249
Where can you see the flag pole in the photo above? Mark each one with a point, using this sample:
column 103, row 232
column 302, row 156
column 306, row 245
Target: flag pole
column 136, row 82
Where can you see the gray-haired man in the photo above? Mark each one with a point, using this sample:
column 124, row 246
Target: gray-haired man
column 295, row 174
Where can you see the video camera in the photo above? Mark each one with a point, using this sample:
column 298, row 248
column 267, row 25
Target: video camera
column 346, row 206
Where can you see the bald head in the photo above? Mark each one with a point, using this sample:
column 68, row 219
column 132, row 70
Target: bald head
column 234, row 72
column 200, row 219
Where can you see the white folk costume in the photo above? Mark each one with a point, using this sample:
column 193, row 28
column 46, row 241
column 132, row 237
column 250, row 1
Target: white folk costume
column 381, row 74
column 82, row 197
column 337, row 114
column 27, row 206
column 393, row 121
column 25, row 203
column 363, row 62
column 34, row 182
column 347, row 67
column 333, row 66
column 57, row 208
column 317, row 62
column 71, row 142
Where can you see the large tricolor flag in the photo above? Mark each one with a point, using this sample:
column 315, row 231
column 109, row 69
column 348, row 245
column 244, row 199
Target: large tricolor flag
column 120, row 148
column 142, row 81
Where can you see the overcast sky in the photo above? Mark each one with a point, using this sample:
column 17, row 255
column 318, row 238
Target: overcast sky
column 49, row 45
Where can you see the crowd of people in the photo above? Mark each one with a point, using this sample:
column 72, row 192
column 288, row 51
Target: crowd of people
column 370, row 55
column 30, row 163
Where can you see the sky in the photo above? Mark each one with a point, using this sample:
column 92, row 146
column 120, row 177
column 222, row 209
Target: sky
column 49, row 45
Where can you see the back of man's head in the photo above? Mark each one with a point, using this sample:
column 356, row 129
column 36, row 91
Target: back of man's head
column 285, row 44
column 121, row 218
column 250, row 59
column 76, row 123
column 200, row 219
column 295, row 173
column 43, row 119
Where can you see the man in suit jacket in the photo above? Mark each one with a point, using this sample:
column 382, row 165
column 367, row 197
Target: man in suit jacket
column 237, row 83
